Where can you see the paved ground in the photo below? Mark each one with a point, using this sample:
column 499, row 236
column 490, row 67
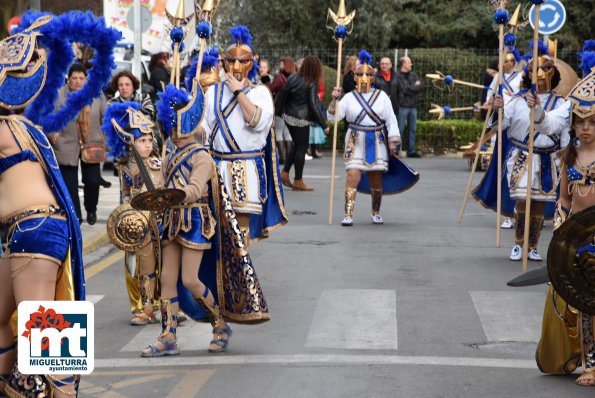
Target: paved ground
column 417, row 307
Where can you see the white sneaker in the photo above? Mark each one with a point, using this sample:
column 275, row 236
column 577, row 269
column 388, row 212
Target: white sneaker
column 534, row 256
column 507, row 224
column 347, row 221
column 376, row 219
column 517, row 253
column 308, row 157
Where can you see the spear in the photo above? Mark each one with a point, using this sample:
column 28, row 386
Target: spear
column 446, row 110
column 341, row 20
column 451, row 81
column 537, row 4
column 204, row 28
column 177, row 35
column 501, row 18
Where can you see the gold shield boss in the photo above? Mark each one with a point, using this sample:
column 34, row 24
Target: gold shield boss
column 239, row 60
column 364, row 78
column 207, row 79
column 545, row 71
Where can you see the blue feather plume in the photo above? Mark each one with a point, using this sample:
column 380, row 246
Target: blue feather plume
column 587, row 61
column 170, row 100
column 241, row 35
column 365, row 57
column 542, row 48
column 254, row 72
column 210, row 59
column 57, row 36
column 589, row 45
column 118, row 112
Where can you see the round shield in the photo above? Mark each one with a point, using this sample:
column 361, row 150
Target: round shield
column 568, row 78
column 158, row 200
column 128, row 229
column 571, row 260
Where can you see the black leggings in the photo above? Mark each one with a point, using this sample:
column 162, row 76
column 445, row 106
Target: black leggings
column 297, row 155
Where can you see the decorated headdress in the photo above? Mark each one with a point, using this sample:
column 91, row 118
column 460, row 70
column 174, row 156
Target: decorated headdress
column 56, row 35
column 582, row 96
column 124, row 123
column 22, row 69
column 239, row 58
column 208, row 71
column 364, row 72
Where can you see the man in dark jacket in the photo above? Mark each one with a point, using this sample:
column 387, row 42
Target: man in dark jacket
column 386, row 80
column 410, row 87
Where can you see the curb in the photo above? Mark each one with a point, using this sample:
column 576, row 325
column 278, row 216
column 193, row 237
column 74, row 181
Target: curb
column 98, row 240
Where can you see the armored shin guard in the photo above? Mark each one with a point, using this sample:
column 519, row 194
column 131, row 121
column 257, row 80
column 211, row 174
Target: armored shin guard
column 169, row 317
column 535, row 225
column 147, row 291
column 349, row 201
column 588, row 342
column 519, row 236
column 376, row 201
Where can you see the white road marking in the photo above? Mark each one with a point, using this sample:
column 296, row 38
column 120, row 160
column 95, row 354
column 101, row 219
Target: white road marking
column 355, row 319
column 188, row 333
column 94, row 298
column 308, row 360
column 510, row 316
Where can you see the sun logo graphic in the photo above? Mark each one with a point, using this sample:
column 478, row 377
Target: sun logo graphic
column 56, row 337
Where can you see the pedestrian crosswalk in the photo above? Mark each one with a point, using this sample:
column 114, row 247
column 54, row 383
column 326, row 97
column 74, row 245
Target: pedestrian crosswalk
column 366, row 319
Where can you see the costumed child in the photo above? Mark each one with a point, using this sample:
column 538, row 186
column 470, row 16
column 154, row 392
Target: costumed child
column 577, row 193
column 125, row 125
column 206, row 269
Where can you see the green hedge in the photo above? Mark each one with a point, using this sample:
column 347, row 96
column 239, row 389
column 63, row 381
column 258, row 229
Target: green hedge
column 440, row 136
column 433, row 136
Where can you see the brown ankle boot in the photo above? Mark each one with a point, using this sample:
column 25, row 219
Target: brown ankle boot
column 300, row 185
column 285, row 179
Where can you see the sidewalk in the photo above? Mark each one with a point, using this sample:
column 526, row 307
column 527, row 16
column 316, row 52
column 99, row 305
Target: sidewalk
column 95, row 236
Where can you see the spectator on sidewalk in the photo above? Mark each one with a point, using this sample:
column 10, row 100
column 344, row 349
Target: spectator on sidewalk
column 410, row 87
column 387, row 81
column 159, row 67
column 67, row 146
column 282, row 136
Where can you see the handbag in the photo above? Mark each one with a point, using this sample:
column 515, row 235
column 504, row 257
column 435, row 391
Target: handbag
column 91, row 153
column 559, row 348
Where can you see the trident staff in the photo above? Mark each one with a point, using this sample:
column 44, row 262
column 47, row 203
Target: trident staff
column 341, row 20
column 204, row 30
column 537, row 4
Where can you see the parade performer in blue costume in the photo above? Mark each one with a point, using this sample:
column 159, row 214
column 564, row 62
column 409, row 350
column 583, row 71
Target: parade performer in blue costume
column 206, row 270
column 239, row 126
column 142, row 251
column 43, row 260
column 371, row 142
column 577, row 193
column 544, row 180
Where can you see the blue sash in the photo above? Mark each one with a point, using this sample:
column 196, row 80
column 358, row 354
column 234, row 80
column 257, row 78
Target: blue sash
column 370, row 131
column 221, row 115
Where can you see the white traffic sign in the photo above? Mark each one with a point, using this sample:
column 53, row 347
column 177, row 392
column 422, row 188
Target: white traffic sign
column 552, row 16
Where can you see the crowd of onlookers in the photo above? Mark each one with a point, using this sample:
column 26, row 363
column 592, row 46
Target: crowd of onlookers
column 300, row 127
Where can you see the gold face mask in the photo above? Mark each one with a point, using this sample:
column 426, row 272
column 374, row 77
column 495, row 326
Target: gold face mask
column 239, row 61
column 545, row 71
column 207, row 79
column 364, row 78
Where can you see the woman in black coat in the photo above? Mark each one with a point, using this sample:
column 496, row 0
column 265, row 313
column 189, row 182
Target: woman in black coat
column 300, row 106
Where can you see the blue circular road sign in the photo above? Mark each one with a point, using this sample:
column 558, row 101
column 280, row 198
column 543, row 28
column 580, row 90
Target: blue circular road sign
column 552, row 17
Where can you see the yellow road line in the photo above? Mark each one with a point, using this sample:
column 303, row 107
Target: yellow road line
column 103, row 264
